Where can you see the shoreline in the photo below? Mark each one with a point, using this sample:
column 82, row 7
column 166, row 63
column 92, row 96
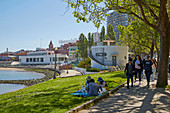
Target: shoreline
column 11, row 69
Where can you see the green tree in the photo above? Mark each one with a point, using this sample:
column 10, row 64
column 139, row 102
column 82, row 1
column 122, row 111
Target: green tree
column 82, row 46
column 145, row 10
column 139, row 37
column 110, row 33
column 90, row 40
column 102, row 34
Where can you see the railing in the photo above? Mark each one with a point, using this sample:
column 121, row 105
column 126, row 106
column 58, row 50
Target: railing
column 92, row 57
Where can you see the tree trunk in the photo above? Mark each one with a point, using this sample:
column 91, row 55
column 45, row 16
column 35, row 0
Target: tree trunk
column 152, row 49
column 164, row 32
column 163, row 63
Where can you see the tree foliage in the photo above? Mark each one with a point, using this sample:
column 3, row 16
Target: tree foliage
column 145, row 10
column 90, row 40
column 82, row 45
column 102, row 34
column 110, row 33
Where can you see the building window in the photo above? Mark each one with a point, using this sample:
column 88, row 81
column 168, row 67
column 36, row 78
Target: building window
column 112, row 43
column 105, row 43
column 34, row 59
column 42, row 60
column 37, row 59
column 30, row 59
column 27, row 60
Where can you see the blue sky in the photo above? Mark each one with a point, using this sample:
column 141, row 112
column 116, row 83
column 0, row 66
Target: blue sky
column 23, row 23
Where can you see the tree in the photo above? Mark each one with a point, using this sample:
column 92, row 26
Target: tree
column 110, row 32
column 90, row 40
column 138, row 36
column 145, row 10
column 102, row 34
column 82, row 46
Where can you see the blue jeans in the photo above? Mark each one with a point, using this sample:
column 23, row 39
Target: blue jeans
column 138, row 71
column 148, row 74
column 128, row 77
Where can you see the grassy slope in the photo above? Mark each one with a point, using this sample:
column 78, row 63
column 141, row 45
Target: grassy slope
column 53, row 95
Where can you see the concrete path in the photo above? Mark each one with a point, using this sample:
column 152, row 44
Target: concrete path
column 137, row 99
column 70, row 73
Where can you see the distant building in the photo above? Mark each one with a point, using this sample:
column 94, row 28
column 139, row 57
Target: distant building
column 41, row 58
column 51, row 48
column 115, row 19
column 96, row 36
column 72, row 48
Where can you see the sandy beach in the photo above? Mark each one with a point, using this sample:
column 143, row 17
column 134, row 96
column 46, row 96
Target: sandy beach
column 12, row 69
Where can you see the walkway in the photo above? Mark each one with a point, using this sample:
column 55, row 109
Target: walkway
column 137, row 99
column 70, row 73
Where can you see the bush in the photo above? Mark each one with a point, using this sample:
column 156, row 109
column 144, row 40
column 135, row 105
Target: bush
column 86, row 63
column 92, row 69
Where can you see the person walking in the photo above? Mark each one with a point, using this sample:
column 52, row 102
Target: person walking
column 129, row 70
column 138, row 66
column 148, row 69
column 154, row 66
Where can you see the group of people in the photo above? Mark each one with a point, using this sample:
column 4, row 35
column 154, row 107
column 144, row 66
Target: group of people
column 136, row 67
column 94, row 89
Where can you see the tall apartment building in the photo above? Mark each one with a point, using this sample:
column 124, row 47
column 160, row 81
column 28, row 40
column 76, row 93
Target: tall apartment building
column 115, row 19
column 96, row 36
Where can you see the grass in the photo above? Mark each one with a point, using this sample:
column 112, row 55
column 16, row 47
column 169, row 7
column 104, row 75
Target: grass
column 53, row 95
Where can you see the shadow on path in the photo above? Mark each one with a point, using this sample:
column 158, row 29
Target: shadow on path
column 137, row 99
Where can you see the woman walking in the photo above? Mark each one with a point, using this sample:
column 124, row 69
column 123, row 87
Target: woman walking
column 138, row 66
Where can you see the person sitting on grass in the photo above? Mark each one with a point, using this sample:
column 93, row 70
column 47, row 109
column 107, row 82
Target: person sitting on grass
column 92, row 88
column 87, row 81
column 129, row 70
column 102, row 84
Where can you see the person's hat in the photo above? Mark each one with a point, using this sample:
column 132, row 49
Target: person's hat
column 88, row 78
column 99, row 79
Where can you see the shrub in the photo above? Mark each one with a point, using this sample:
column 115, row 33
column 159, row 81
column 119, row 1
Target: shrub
column 92, row 69
column 86, row 63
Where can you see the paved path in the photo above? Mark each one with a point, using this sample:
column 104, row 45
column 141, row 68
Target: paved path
column 137, row 99
column 70, row 73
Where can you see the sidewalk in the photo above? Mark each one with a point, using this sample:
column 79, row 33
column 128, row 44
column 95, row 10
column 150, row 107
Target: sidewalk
column 137, row 99
column 70, row 73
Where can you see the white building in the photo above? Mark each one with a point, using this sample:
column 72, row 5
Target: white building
column 41, row 58
column 108, row 55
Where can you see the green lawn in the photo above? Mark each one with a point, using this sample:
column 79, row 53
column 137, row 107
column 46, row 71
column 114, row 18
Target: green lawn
column 53, row 95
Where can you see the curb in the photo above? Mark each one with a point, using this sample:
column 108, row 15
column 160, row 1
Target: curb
column 95, row 100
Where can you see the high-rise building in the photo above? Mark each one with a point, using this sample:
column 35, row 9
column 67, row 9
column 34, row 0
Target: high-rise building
column 96, row 36
column 115, row 18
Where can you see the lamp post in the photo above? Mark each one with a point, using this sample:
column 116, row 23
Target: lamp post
column 67, row 64
column 55, row 65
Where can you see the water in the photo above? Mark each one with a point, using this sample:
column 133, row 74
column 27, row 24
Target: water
column 5, row 88
column 18, row 75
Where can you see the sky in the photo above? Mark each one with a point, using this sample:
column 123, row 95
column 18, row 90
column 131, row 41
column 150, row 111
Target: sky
column 28, row 24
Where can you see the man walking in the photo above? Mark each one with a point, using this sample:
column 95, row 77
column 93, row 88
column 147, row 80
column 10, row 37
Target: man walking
column 148, row 69
column 129, row 70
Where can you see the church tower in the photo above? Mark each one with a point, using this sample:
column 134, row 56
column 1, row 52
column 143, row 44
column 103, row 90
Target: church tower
column 51, row 46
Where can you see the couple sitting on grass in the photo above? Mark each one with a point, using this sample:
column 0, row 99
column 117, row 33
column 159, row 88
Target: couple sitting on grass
column 94, row 89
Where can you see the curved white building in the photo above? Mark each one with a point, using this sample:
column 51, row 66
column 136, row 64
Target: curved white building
column 106, row 55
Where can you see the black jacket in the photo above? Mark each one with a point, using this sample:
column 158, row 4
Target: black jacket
column 126, row 68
